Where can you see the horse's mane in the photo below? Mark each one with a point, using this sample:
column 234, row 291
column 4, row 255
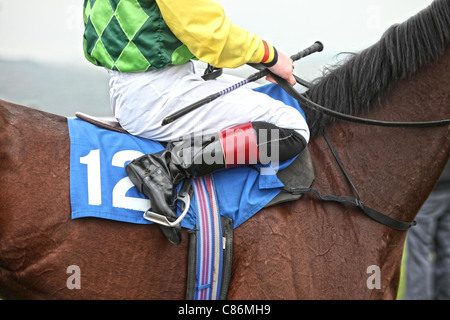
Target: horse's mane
column 365, row 78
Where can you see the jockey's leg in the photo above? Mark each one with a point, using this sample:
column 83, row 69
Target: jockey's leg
column 157, row 175
column 141, row 101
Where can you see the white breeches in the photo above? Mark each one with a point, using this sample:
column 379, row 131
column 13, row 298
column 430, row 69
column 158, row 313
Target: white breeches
column 140, row 101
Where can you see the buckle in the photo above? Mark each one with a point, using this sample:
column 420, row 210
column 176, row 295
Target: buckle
column 162, row 220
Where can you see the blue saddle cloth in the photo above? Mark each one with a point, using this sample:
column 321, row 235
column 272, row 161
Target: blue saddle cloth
column 99, row 186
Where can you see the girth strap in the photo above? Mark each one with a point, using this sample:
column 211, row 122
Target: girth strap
column 210, row 247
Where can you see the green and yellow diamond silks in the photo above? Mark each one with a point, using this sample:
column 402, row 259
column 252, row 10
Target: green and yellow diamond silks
column 130, row 36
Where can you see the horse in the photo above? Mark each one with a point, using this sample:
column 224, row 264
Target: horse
column 303, row 249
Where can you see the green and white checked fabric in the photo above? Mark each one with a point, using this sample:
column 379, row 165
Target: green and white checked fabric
column 130, row 36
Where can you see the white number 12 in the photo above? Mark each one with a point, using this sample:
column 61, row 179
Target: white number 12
column 92, row 160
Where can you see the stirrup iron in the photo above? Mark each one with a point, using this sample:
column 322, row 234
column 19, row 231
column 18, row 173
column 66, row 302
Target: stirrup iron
column 162, row 220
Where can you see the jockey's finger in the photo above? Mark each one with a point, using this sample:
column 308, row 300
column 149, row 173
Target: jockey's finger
column 292, row 81
column 283, row 68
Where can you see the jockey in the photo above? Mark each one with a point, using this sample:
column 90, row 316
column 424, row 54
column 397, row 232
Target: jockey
column 148, row 47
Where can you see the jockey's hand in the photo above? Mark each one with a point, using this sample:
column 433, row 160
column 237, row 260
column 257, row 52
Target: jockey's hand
column 284, row 68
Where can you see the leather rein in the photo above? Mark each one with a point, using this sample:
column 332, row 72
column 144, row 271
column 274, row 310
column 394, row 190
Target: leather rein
column 371, row 213
column 312, row 105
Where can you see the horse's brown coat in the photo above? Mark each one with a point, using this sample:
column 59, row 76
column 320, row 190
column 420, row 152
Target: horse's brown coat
column 305, row 249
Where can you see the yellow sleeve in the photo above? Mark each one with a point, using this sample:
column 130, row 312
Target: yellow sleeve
column 205, row 29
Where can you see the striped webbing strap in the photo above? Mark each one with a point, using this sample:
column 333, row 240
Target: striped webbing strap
column 209, row 248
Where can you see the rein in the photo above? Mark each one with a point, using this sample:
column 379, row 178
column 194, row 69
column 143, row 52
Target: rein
column 371, row 213
column 317, row 107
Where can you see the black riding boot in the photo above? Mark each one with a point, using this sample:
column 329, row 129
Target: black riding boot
column 157, row 175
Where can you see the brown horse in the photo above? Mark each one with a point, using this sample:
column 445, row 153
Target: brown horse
column 305, row 249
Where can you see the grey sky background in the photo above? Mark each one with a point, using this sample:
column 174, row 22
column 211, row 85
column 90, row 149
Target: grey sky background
column 51, row 30
column 50, row 73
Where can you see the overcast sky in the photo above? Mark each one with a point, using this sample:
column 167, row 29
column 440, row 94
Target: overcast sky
column 51, row 30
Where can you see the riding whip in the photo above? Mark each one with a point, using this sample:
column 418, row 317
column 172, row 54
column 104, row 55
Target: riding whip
column 316, row 47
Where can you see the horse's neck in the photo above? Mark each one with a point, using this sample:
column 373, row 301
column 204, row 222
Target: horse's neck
column 396, row 168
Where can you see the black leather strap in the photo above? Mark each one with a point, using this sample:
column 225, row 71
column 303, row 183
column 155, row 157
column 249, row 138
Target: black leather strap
column 371, row 213
column 192, row 265
column 227, row 234
column 305, row 102
column 212, row 73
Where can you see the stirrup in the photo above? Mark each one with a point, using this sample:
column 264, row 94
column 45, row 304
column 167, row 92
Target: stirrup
column 162, row 220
